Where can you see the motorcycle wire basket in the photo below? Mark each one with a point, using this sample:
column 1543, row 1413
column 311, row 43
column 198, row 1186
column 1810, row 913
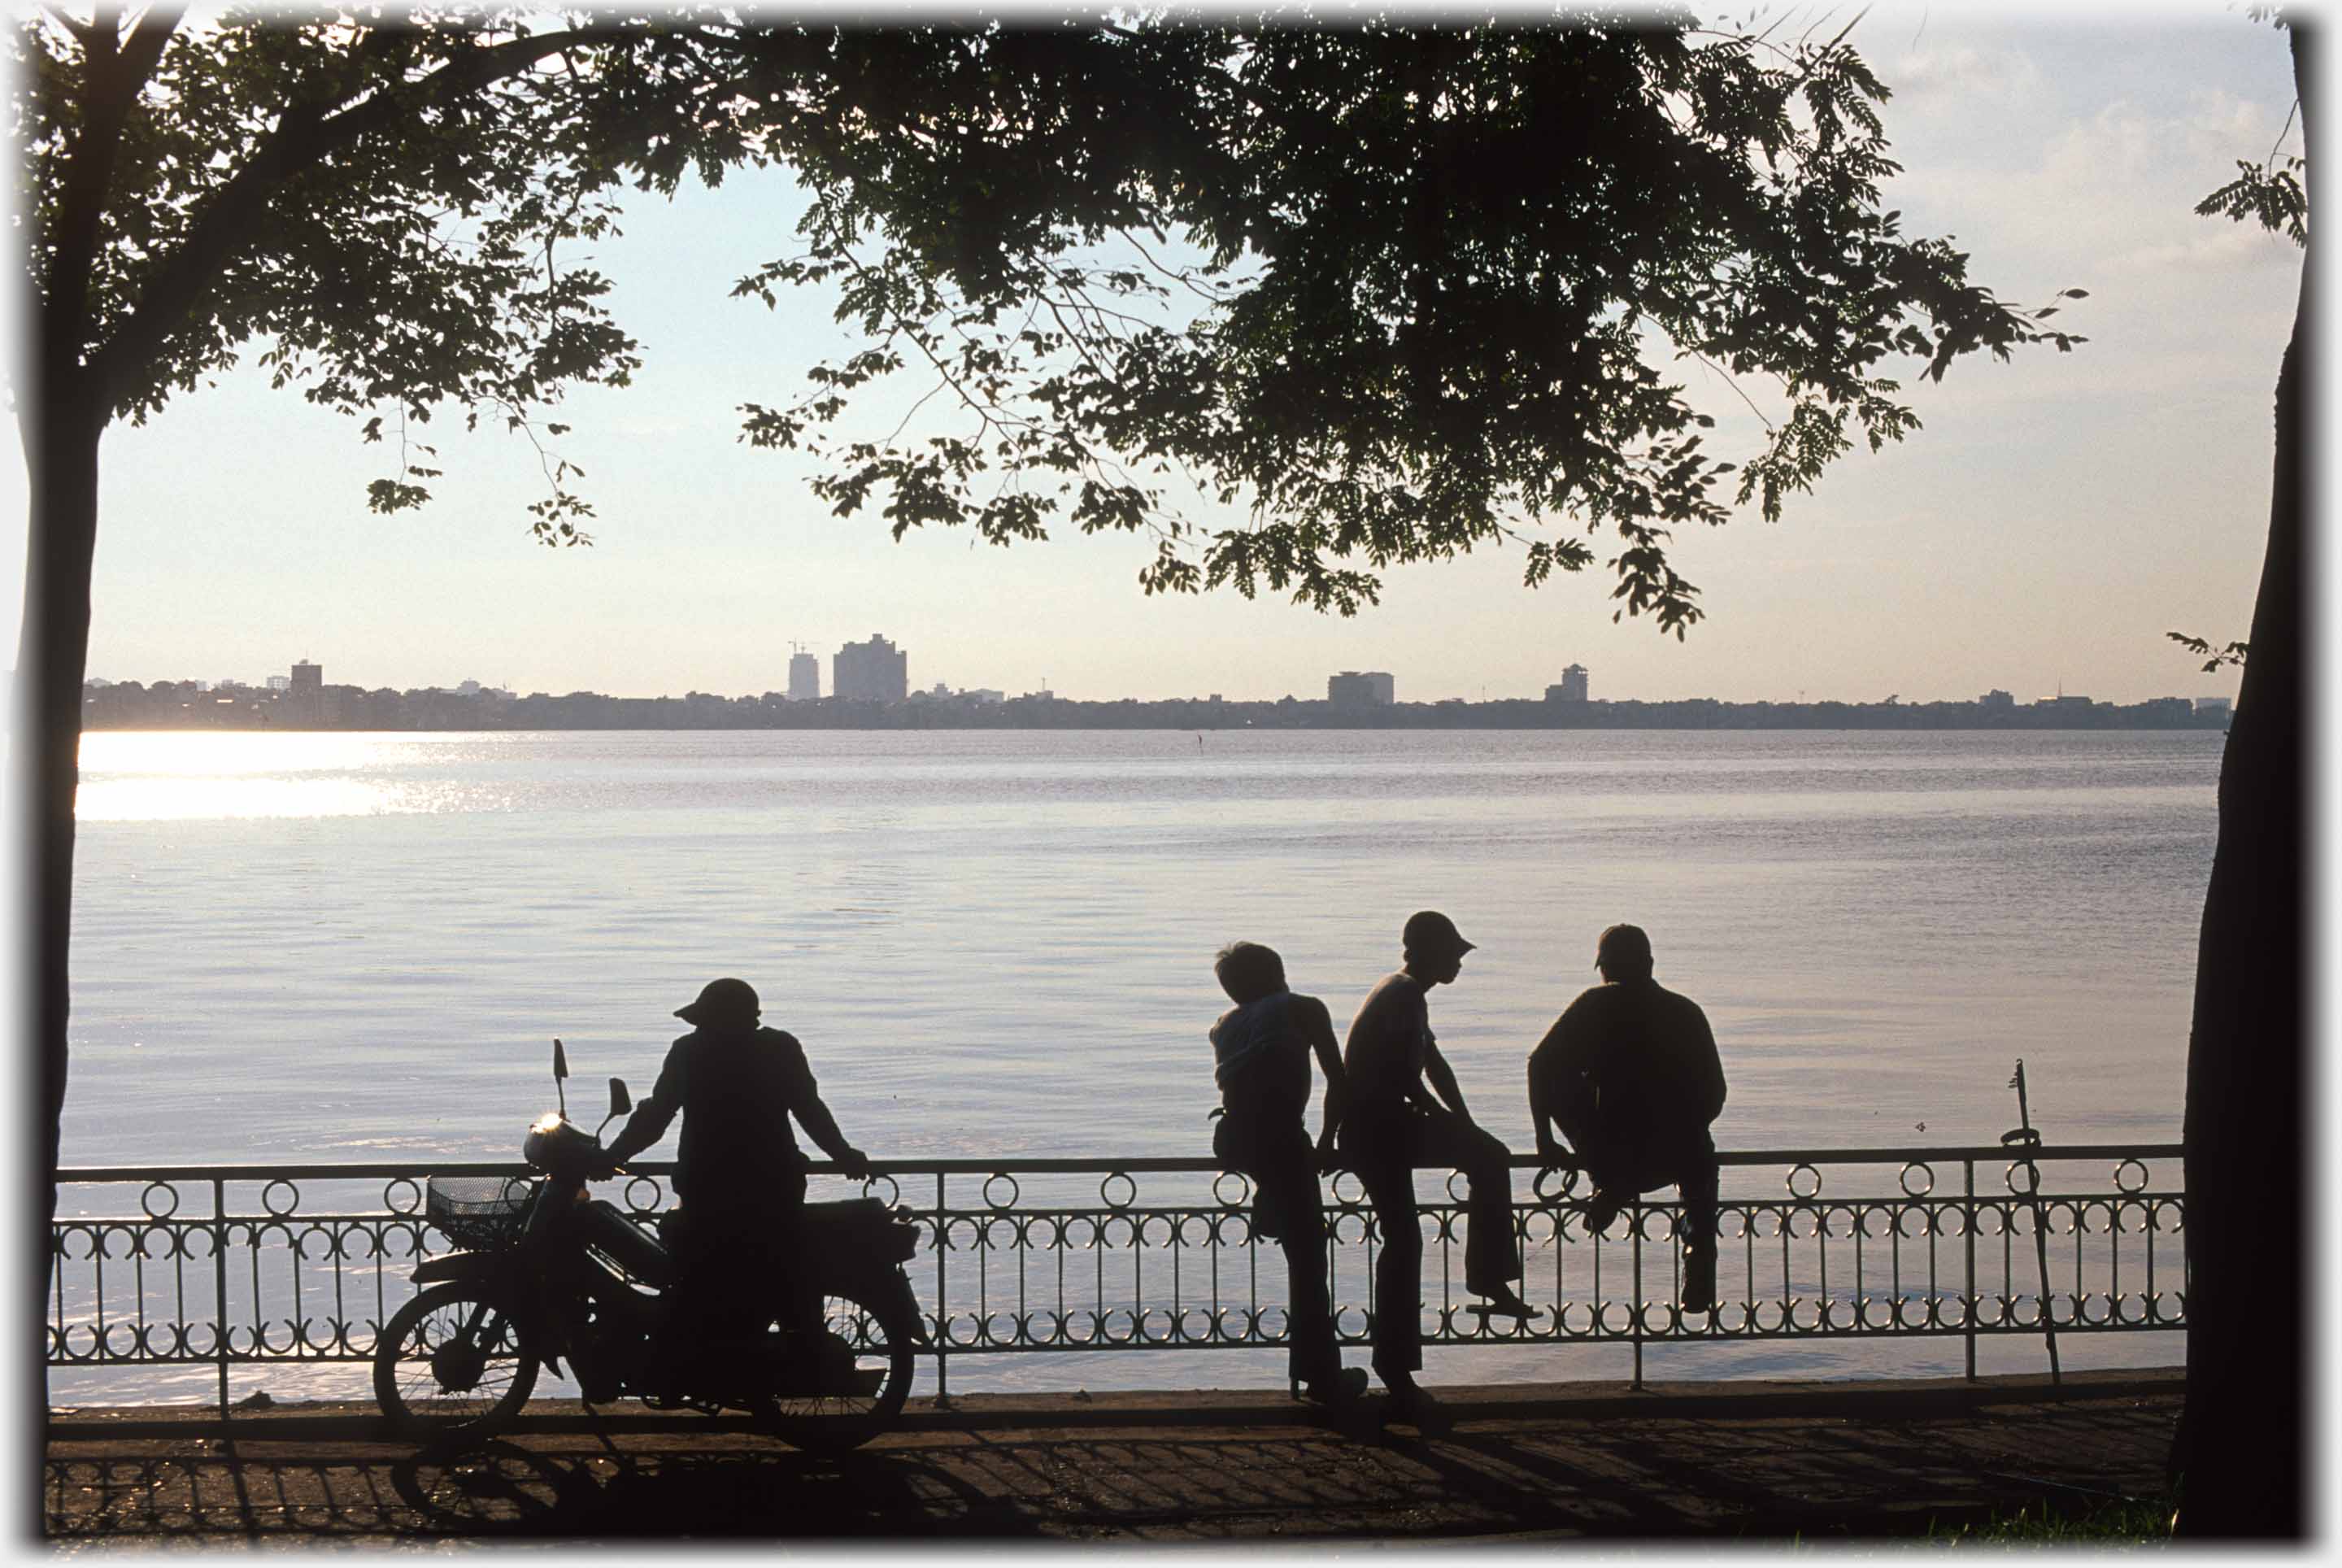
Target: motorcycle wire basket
column 480, row 1213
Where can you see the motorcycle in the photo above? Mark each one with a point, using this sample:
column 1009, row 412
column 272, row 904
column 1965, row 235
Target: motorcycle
column 545, row 1270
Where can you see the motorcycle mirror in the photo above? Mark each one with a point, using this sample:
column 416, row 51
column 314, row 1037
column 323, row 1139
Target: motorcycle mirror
column 620, row 1100
column 560, row 1062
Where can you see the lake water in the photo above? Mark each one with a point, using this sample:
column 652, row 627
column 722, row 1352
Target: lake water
column 318, row 947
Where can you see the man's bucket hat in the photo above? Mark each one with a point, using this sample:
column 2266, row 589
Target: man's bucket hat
column 726, row 1001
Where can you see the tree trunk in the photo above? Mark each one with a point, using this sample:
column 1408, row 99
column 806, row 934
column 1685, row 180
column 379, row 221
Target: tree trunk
column 2241, row 1450
column 61, row 426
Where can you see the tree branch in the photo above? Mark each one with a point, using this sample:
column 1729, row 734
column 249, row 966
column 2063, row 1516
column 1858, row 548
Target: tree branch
column 305, row 134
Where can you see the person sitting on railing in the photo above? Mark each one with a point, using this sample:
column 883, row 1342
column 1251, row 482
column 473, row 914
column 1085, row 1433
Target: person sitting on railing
column 1260, row 1050
column 1392, row 1124
column 1630, row 1074
column 738, row 1173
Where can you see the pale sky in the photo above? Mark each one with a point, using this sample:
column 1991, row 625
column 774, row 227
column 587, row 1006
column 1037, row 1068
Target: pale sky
column 2052, row 518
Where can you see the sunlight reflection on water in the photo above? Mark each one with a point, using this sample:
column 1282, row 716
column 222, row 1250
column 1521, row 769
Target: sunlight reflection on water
column 165, row 777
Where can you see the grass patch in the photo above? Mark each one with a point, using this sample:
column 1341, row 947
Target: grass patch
column 2111, row 1523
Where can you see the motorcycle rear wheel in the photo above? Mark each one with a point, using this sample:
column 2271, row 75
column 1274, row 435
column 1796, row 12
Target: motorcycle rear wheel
column 880, row 1341
column 453, row 1361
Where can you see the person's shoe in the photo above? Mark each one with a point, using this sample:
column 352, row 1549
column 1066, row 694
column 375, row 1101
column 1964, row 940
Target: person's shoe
column 1600, row 1209
column 1343, row 1387
column 1412, row 1404
column 1503, row 1302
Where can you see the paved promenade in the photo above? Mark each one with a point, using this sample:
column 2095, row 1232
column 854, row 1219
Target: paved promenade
column 1700, row 1460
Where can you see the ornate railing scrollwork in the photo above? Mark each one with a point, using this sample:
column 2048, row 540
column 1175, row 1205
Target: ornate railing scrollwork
column 228, row 1265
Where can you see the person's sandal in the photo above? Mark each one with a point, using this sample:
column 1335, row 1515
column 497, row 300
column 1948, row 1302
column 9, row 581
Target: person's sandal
column 1502, row 1302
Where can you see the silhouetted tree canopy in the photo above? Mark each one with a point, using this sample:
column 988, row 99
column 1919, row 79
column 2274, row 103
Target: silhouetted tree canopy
column 1398, row 290
column 1435, row 286
column 380, row 209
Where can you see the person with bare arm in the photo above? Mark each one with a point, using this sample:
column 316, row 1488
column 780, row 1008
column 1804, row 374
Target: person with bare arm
column 1405, row 1111
column 1630, row 1075
column 1261, row 1048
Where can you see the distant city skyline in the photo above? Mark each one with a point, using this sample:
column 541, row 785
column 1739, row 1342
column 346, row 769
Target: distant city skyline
column 2054, row 518
column 1340, row 687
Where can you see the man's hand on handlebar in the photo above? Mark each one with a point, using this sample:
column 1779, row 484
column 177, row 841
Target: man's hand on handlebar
column 854, row 1162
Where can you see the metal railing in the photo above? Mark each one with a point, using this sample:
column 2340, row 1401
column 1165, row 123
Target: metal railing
column 305, row 1263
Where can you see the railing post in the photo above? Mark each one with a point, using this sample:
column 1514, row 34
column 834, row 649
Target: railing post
column 943, row 1302
column 219, row 1283
column 1635, row 1300
column 1968, row 1233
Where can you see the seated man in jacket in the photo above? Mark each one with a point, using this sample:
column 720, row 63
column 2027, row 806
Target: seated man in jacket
column 1630, row 1074
column 1261, row 1048
column 738, row 1173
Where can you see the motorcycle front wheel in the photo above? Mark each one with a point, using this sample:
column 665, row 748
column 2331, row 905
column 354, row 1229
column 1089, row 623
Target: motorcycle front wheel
column 850, row 1384
column 453, row 1361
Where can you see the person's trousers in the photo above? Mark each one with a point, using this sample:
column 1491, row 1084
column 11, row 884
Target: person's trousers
column 1692, row 1172
column 1385, row 1145
column 738, row 1268
column 1288, row 1208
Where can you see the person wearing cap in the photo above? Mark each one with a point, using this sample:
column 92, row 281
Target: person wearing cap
column 1260, row 1052
column 1405, row 1111
column 1630, row 1075
column 738, row 1172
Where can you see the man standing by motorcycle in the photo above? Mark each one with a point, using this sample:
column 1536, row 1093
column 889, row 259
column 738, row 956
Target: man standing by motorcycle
column 739, row 1175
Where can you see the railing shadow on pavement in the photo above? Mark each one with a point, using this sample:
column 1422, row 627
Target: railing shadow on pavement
column 499, row 1489
column 1641, row 1476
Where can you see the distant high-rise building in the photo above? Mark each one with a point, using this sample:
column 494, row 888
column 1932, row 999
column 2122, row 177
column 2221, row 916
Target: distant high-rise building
column 280, row 683
column 1996, row 698
column 872, row 671
column 2212, row 705
column 804, row 678
column 1360, row 688
column 307, row 677
column 1572, row 688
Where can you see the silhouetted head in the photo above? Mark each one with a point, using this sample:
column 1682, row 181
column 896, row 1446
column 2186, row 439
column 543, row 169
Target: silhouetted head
column 1433, row 948
column 1623, row 953
column 723, row 1004
column 1249, row 971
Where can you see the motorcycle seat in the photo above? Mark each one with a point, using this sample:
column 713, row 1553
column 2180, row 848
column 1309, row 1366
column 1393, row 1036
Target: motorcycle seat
column 611, row 1231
